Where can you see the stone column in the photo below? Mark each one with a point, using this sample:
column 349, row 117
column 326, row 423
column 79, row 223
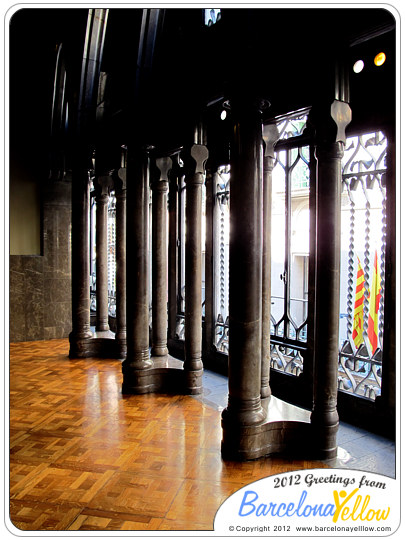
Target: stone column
column 245, row 267
column 159, row 258
column 329, row 123
column 270, row 137
column 209, row 282
column 172, row 255
column 121, row 280
column 80, row 260
column 137, row 265
column 103, row 185
column 193, row 261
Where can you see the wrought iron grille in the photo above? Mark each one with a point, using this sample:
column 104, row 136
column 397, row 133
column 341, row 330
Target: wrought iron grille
column 221, row 258
column 111, row 259
column 292, row 126
column 111, row 256
column 363, row 265
column 93, row 252
column 181, row 257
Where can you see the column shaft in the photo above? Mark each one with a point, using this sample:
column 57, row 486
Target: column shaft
column 137, row 265
column 121, row 280
column 324, row 416
column 172, row 255
column 245, row 267
column 270, row 137
column 193, row 263
column 101, row 263
column 159, row 268
column 209, row 282
column 80, row 255
column 266, row 277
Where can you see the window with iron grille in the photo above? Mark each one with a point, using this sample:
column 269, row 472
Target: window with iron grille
column 363, row 264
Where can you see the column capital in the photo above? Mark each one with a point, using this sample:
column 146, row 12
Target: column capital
column 120, row 183
column 195, row 164
column 270, row 137
column 328, row 121
column 199, row 154
column 160, row 183
column 164, row 166
column 103, row 185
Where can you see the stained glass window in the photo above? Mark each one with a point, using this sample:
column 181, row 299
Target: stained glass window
column 211, row 16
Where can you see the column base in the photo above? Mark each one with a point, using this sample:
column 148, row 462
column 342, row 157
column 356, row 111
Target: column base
column 265, row 391
column 245, row 412
column 163, row 375
column 121, row 346
column 80, row 344
column 99, row 347
column 286, row 430
column 104, row 327
column 325, row 425
column 159, row 350
column 193, row 381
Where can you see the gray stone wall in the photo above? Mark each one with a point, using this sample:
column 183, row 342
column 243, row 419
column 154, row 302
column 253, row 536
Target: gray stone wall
column 40, row 286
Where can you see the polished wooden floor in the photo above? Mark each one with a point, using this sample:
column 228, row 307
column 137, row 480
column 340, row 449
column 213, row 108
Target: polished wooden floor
column 85, row 457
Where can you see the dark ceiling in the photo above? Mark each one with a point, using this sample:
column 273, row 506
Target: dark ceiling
column 283, row 55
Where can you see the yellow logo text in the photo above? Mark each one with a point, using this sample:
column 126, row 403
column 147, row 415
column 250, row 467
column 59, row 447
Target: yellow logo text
column 358, row 510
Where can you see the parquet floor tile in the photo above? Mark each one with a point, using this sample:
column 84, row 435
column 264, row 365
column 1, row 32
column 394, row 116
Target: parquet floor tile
column 85, row 457
column 42, row 516
column 96, row 520
column 38, row 448
column 22, row 475
column 96, row 455
column 138, row 494
column 197, row 494
column 74, row 487
column 177, row 525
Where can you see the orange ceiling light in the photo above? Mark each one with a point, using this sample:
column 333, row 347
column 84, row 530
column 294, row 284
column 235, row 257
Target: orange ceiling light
column 379, row 59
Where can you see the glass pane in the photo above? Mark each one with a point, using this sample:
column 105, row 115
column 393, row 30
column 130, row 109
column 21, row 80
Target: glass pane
column 292, row 127
column 299, row 243
column 278, row 231
column 211, row 16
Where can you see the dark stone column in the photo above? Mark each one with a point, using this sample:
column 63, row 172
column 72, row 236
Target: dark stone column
column 121, row 280
column 329, row 123
column 245, row 266
column 172, row 255
column 159, row 259
column 80, row 258
column 102, row 191
column 270, row 137
column 193, row 261
column 137, row 265
column 209, row 245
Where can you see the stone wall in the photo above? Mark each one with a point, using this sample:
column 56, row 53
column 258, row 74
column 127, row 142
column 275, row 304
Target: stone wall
column 40, row 286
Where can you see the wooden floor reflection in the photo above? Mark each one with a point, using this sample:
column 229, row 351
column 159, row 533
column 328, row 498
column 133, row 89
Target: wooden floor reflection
column 85, row 457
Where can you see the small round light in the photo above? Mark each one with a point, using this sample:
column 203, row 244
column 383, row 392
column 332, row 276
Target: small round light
column 358, row 66
column 223, row 115
column 379, row 59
